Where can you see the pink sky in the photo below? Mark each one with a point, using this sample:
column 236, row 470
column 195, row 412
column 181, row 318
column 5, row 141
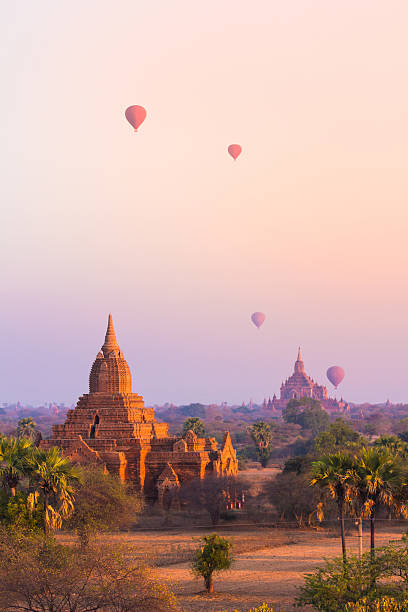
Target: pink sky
column 163, row 229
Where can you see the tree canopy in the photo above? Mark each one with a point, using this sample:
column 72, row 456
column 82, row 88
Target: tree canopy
column 308, row 413
column 195, row 424
column 214, row 555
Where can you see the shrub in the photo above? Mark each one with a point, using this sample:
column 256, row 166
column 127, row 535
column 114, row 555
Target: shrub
column 23, row 511
column 213, row 556
column 102, row 502
column 331, row 587
column 37, row 574
column 385, row 604
column 361, row 583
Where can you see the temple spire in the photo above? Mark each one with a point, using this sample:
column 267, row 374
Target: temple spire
column 299, row 365
column 110, row 343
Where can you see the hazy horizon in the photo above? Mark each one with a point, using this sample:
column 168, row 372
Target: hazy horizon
column 163, row 229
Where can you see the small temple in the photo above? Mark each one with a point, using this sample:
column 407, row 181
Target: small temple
column 111, row 426
column 300, row 385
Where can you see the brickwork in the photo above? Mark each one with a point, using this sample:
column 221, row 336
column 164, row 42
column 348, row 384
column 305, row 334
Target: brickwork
column 111, row 426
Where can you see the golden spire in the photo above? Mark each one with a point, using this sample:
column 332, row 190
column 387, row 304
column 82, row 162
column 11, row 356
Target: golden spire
column 110, row 343
column 299, row 357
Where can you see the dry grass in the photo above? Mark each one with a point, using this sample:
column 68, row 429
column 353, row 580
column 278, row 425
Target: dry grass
column 269, row 563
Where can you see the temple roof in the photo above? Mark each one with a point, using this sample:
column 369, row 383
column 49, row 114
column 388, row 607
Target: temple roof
column 110, row 343
column 110, row 372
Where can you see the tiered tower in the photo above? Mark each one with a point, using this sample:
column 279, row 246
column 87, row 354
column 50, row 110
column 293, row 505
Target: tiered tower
column 110, row 425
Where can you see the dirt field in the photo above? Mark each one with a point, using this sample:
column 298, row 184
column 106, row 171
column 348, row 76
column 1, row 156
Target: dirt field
column 268, row 568
column 268, row 575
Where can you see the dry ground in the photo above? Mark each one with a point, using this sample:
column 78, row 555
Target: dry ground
column 270, row 574
column 269, row 564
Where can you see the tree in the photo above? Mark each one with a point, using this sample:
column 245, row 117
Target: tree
column 214, row 555
column 102, row 502
column 308, row 413
column 211, row 493
column 39, row 575
column 292, row 497
column 377, row 478
column 15, row 461
column 333, row 473
column 261, row 434
column 195, row 424
column 54, row 476
column 27, row 428
column 340, row 436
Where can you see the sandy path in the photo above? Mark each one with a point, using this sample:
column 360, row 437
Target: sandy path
column 271, row 575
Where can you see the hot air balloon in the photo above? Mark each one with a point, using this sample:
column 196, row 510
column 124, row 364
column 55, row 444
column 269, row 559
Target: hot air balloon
column 335, row 374
column 135, row 115
column 235, row 150
column 258, row 318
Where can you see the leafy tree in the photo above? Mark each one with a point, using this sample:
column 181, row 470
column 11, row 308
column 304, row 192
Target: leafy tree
column 299, row 465
column 39, row 575
column 102, row 502
column 333, row 473
column 308, row 413
column 214, row 555
column 340, row 436
column 261, row 434
column 27, row 428
column 195, row 424
column 54, row 476
column 378, row 480
column 15, row 461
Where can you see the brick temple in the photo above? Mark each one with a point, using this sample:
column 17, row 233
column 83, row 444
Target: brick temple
column 111, row 426
column 300, row 385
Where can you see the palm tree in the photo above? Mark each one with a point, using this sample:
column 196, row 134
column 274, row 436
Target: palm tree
column 332, row 473
column 27, row 428
column 15, row 455
column 262, row 435
column 54, row 476
column 378, row 480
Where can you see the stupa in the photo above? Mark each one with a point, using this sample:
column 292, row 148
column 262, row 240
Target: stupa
column 111, row 426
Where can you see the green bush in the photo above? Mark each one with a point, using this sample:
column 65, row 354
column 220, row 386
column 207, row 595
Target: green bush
column 214, row 555
column 336, row 587
column 23, row 511
column 385, row 604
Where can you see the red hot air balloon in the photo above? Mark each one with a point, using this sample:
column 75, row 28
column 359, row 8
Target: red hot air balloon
column 335, row 374
column 258, row 318
column 135, row 115
column 235, row 150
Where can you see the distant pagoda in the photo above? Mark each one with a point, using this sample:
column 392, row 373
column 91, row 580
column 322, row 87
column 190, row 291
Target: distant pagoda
column 300, row 385
column 111, row 426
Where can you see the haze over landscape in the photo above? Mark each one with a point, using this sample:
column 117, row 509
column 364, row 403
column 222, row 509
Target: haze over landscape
column 179, row 242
